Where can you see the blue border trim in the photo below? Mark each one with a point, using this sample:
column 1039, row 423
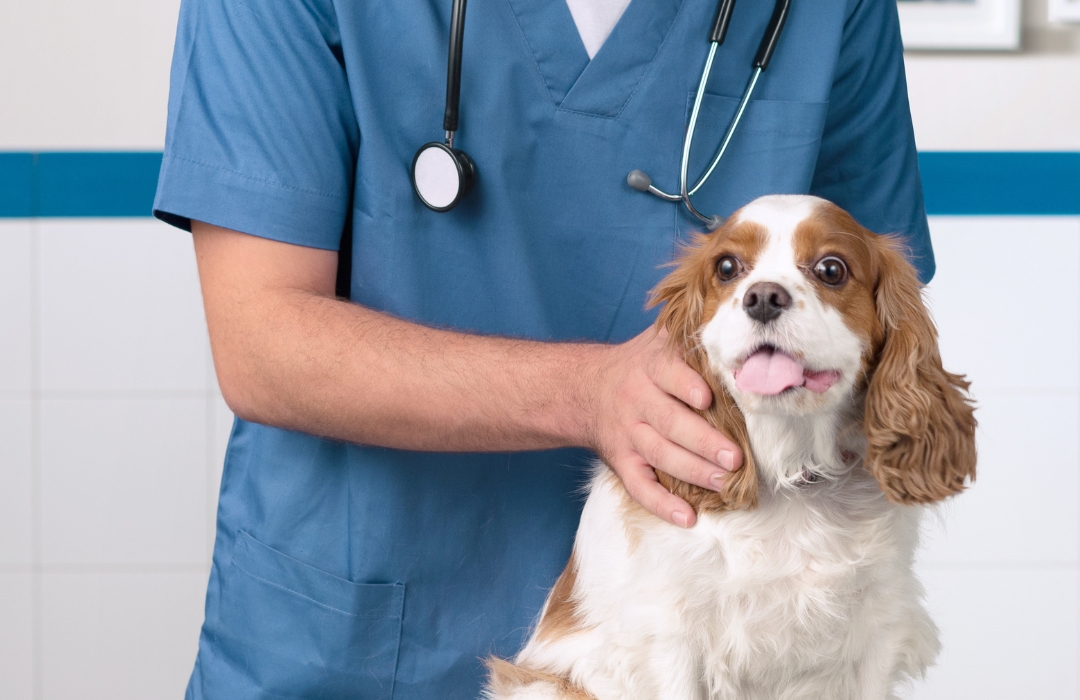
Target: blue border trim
column 96, row 184
column 79, row 184
column 1001, row 183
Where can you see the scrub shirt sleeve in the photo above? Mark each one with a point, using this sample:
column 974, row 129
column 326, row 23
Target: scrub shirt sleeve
column 868, row 163
column 261, row 134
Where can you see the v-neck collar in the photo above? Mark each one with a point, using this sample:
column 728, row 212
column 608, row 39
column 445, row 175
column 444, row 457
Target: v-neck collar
column 602, row 86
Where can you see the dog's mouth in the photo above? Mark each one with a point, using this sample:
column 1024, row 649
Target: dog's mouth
column 768, row 371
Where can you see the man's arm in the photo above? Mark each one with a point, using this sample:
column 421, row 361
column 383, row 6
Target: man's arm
column 290, row 354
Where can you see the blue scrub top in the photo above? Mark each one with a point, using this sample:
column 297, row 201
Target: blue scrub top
column 343, row 571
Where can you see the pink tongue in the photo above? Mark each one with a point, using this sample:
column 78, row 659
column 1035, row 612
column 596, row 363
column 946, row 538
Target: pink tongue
column 768, row 372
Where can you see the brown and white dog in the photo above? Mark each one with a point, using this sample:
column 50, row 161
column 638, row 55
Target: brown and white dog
column 796, row 582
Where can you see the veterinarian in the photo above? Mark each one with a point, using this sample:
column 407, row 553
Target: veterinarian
column 401, row 485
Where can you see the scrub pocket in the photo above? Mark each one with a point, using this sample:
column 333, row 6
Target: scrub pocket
column 296, row 632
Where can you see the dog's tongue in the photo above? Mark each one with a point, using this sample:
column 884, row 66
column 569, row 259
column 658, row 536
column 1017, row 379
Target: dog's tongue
column 768, row 372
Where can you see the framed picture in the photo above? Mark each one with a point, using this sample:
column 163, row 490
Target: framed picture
column 1065, row 10
column 963, row 25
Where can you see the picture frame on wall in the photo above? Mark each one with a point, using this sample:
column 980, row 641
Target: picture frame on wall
column 1064, row 10
column 961, row 25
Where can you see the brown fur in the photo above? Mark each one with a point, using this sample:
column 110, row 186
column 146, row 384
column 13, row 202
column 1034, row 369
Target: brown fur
column 561, row 616
column 919, row 422
column 690, row 295
column 832, row 232
column 504, row 678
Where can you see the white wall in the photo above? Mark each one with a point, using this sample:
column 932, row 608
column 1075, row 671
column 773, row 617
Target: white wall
column 85, row 74
column 1001, row 566
column 112, row 430
column 112, row 436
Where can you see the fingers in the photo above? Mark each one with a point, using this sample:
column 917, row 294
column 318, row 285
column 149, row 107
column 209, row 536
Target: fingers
column 678, row 424
column 674, row 376
column 671, row 458
column 640, row 482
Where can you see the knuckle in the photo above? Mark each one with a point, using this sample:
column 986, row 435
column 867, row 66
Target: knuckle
column 638, row 491
column 666, row 418
column 654, row 453
column 652, row 501
column 706, row 445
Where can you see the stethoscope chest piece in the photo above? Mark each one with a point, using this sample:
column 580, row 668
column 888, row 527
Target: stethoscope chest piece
column 442, row 175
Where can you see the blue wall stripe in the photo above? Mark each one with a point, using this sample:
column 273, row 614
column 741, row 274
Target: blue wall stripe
column 17, row 184
column 97, row 184
column 1001, row 183
column 89, row 184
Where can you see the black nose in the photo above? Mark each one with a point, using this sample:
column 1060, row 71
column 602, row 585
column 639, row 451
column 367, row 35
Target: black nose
column 764, row 301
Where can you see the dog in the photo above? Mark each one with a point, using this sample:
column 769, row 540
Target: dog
column 796, row 582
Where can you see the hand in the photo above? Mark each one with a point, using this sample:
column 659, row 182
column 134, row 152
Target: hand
column 642, row 422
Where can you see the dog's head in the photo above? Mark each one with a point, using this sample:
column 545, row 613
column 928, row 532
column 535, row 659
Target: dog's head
column 793, row 308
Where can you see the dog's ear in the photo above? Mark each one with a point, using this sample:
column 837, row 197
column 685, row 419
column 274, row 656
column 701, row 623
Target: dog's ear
column 919, row 421
column 740, row 489
column 684, row 296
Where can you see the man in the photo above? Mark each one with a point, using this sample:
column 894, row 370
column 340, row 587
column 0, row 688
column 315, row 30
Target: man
column 421, row 531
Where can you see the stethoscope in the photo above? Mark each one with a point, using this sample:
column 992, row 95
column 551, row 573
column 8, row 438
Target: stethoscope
column 442, row 175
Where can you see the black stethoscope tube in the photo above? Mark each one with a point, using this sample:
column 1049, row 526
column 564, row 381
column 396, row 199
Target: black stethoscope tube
column 723, row 19
column 441, row 174
column 772, row 33
column 453, row 67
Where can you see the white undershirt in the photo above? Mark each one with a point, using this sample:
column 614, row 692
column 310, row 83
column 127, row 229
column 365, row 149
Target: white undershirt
column 595, row 19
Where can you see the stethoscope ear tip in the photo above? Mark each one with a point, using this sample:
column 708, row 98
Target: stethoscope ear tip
column 639, row 181
column 715, row 222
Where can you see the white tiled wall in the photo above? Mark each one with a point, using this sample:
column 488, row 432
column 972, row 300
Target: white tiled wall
column 126, row 635
column 16, row 256
column 16, row 635
column 1002, row 563
column 112, row 437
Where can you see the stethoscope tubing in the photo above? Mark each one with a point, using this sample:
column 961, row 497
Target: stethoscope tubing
column 453, row 70
column 761, row 61
column 465, row 170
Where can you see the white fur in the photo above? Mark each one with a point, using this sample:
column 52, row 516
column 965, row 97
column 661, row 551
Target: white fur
column 809, row 596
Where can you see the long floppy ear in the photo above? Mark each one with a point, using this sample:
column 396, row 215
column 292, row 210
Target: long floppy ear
column 919, row 421
column 683, row 293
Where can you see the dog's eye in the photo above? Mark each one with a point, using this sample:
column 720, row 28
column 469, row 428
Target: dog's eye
column 831, row 271
column 728, row 268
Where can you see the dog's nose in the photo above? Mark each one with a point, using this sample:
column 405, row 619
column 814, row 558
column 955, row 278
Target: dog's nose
column 764, row 301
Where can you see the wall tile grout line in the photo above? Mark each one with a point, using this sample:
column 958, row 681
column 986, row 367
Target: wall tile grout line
column 122, row 394
column 36, row 496
column 107, row 568
column 119, row 568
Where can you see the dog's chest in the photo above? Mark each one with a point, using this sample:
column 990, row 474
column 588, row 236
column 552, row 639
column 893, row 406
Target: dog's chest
column 793, row 569
column 746, row 597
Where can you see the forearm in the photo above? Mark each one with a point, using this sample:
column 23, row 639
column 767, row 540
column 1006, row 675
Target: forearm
column 324, row 366
column 289, row 354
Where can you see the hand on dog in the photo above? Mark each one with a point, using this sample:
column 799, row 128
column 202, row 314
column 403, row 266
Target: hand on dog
column 642, row 422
